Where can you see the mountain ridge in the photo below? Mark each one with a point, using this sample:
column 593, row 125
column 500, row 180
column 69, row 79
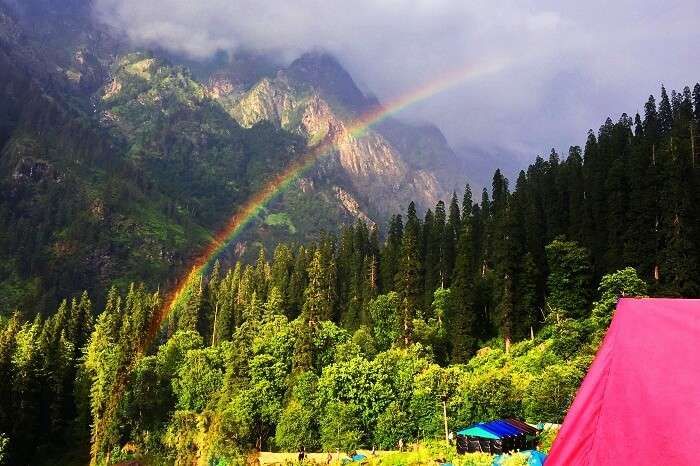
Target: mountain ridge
column 153, row 153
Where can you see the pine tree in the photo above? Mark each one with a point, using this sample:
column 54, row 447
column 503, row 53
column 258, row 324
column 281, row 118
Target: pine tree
column 281, row 271
column 449, row 245
column 696, row 102
column 8, row 345
column 190, row 313
column 467, row 203
column 433, row 231
column 391, row 253
column 297, row 283
column 461, row 323
column 318, row 302
column 273, row 305
column 409, row 277
column 651, row 120
column 262, row 274
column 665, row 114
column 224, row 307
column 211, row 298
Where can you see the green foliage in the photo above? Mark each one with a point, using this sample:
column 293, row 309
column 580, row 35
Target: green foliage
column 569, row 336
column 281, row 219
column 198, row 403
column 384, row 311
column 551, row 394
column 198, row 379
column 547, row 438
column 296, row 427
column 3, row 447
column 392, row 425
column 569, row 278
column 341, row 427
column 493, row 395
column 612, row 287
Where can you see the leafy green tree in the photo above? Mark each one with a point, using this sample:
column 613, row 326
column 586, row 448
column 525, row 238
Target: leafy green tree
column 198, row 379
column 623, row 283
column 386, row 325
column 341, row 427
column 492, row 396
column 393, row 424
column 440, row 384
column 296, row 427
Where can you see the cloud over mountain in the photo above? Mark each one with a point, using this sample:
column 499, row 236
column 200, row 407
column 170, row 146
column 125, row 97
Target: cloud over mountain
column 567, row 62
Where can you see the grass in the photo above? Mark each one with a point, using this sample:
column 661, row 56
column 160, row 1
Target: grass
column 428, row 453
column 281, row 219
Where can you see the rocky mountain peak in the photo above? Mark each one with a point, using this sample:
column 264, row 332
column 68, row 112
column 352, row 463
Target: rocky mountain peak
column 324, row 73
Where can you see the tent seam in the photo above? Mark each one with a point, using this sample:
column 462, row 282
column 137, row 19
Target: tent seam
column 605, row 389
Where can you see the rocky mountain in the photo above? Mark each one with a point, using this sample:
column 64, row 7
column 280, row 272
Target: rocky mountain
column 316, row 98
column 118, row 164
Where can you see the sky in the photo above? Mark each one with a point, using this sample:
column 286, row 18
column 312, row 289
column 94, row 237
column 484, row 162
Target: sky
column 566, row 65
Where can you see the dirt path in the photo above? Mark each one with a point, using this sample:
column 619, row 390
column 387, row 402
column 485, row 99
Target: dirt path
column 268, row 457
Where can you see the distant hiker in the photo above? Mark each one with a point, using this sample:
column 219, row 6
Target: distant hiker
column 400, row 444
column 451, row 437
column 302, row 453
column 329, row 458
column 373, row 450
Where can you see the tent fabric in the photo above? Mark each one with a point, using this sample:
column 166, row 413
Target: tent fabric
column 499, row 428
column 477, row 431
column 498, row 436
column 523, row 426
column 640, row 400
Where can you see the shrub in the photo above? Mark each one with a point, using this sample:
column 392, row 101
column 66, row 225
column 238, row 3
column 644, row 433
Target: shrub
column 548, row 397
column 547, row 438
column 570, row 336
column 393, row 424
column 493, row 395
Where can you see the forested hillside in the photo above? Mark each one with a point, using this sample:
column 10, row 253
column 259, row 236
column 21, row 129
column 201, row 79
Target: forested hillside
column 483, row 309
column 118, row 164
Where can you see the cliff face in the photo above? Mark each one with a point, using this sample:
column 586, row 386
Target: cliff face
column 387, row 166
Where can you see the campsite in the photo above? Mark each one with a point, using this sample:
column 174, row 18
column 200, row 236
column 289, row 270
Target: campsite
column 625, row 379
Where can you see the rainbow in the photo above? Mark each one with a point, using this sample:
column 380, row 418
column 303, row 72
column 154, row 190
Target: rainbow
column 253, row 206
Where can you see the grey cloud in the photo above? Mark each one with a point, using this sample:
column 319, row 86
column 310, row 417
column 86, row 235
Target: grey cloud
column 568, row 64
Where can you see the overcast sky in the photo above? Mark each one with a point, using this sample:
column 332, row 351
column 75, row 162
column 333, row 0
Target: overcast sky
column 567, row 64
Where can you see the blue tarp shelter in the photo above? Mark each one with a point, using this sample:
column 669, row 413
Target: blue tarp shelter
column 496, row 437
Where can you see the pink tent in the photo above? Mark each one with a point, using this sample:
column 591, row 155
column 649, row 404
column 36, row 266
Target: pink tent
column 640, row 401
